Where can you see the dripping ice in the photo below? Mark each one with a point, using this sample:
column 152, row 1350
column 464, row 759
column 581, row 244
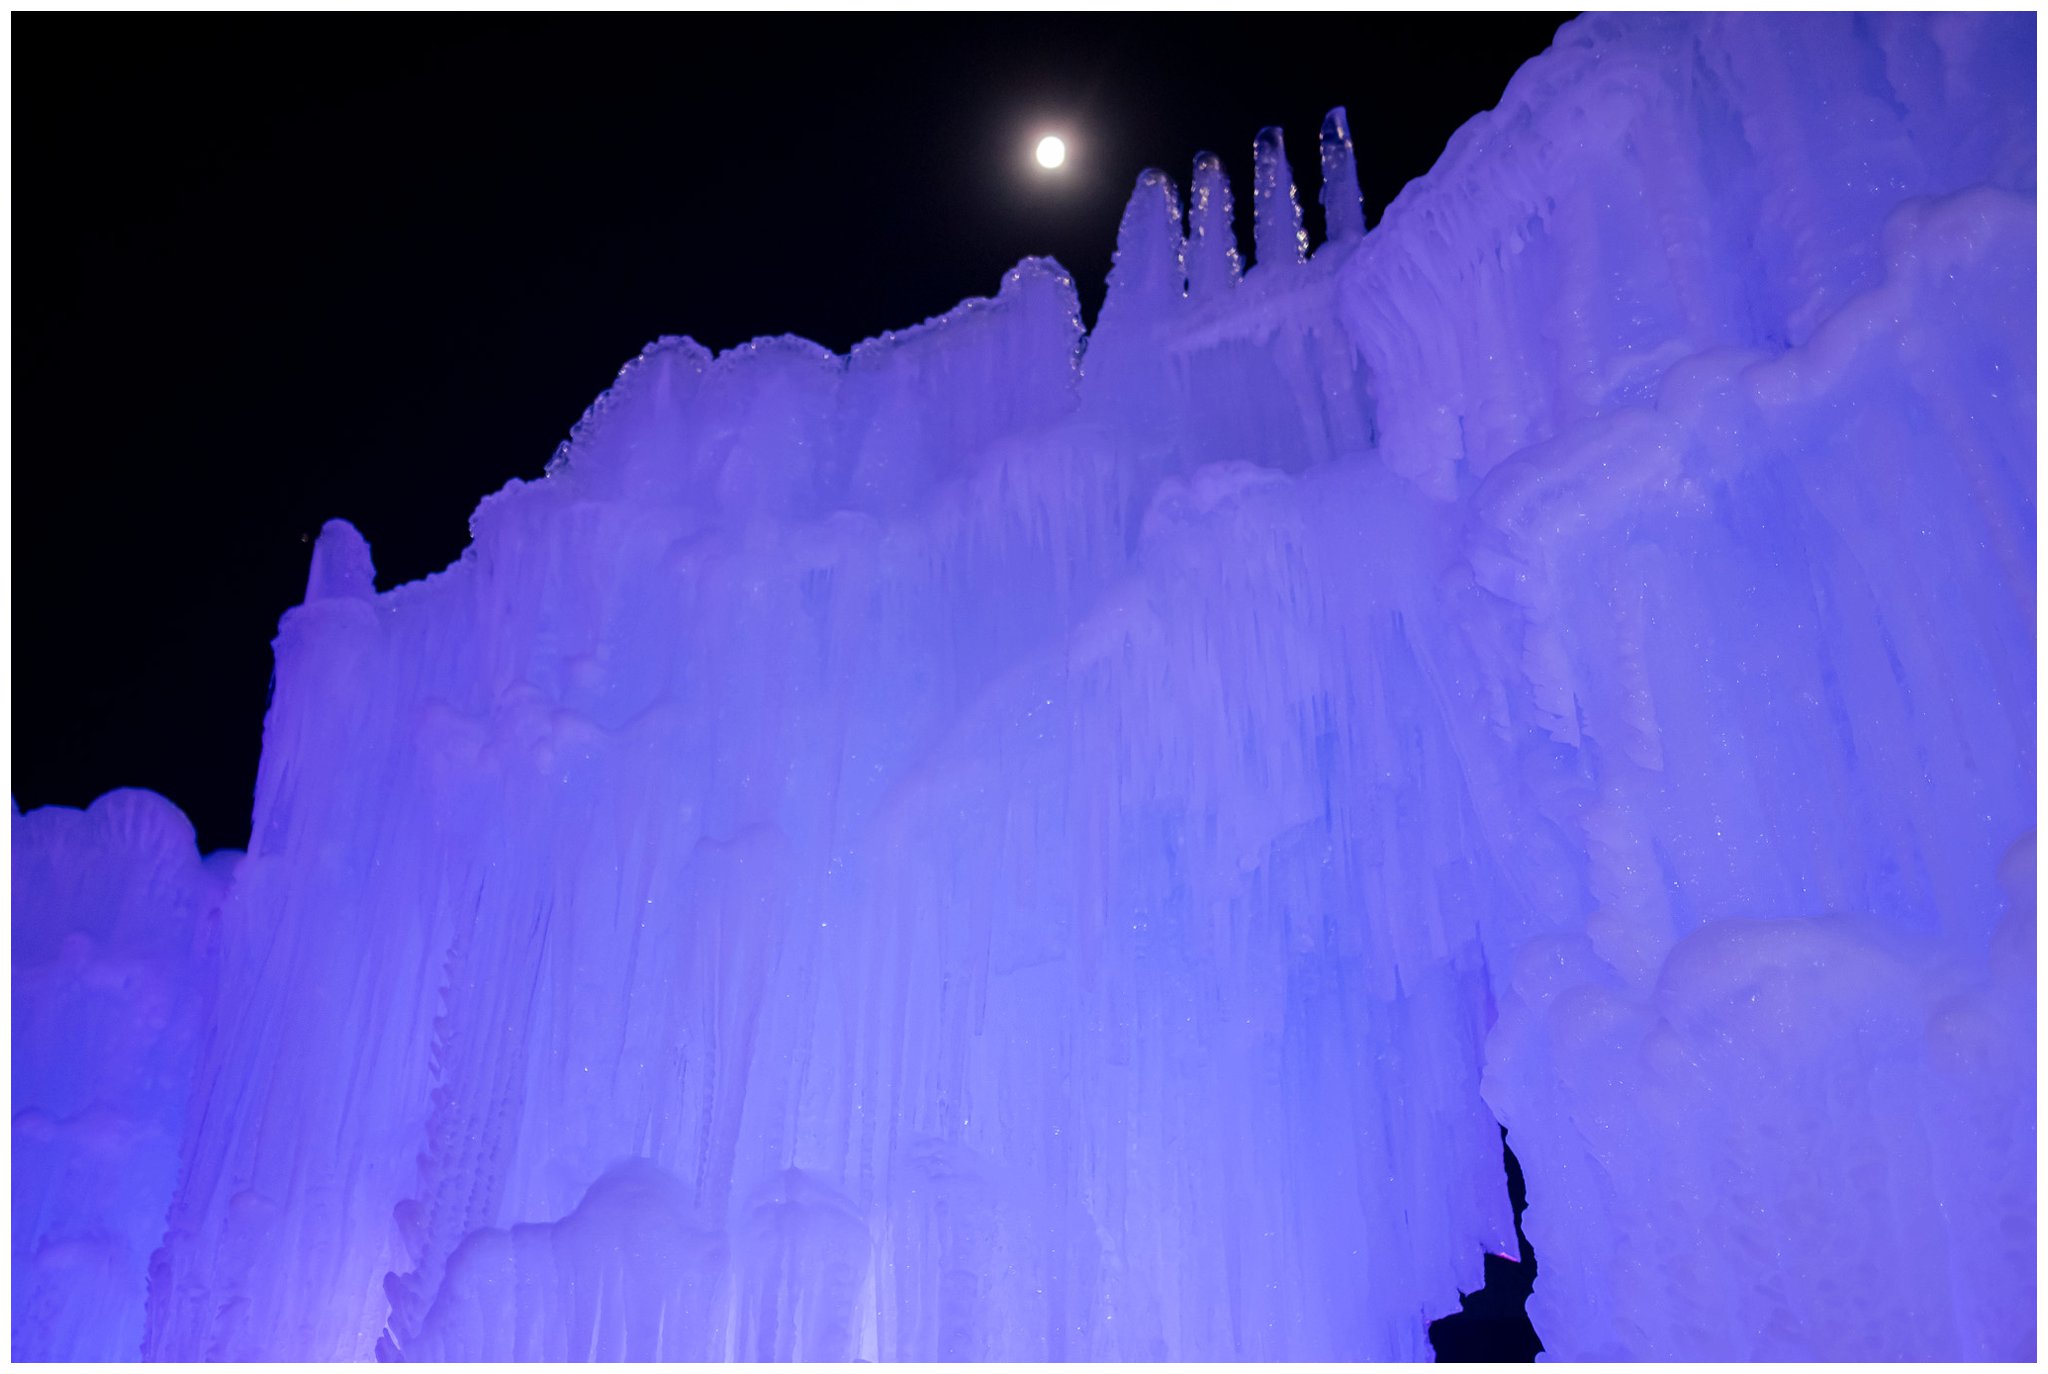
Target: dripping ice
column 984, row 849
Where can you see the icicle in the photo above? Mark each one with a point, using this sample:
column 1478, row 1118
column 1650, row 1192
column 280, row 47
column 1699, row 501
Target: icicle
column 1149, row 252
column 1276, row 214
column 1343, row 207
column 1213, row 264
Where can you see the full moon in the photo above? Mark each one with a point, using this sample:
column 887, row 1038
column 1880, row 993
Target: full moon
column 1052, row 151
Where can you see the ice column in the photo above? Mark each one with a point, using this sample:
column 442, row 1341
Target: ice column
column 1148, row 270
column 1147, row 290
column 1276, row 214
column 1343, row 207
column 1213, row 266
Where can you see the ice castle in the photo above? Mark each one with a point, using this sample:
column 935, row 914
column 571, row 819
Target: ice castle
column 1024, row 844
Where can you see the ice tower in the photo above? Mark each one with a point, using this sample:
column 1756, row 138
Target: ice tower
column 1020, row 844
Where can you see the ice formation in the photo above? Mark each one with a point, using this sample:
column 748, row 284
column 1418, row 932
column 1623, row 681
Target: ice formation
column 986, row 847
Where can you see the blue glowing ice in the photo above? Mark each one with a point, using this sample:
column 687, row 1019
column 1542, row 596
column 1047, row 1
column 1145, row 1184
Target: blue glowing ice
column 972, row 849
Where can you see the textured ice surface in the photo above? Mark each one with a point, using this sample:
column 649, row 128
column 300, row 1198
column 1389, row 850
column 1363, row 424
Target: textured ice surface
column 113, row 914
column 974, row 850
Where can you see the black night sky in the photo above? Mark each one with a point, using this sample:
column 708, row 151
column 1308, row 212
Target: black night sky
column 272, row 270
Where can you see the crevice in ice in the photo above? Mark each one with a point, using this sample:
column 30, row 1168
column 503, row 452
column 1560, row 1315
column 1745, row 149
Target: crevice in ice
column 1493, row 1323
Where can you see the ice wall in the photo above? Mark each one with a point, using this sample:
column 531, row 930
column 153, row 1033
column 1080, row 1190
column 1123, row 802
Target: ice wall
column 113, row 923
column 1016, row 845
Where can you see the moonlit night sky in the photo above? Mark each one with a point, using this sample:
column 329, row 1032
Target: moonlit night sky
column 376, row 269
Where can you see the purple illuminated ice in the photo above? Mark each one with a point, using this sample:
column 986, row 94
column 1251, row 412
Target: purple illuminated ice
column 973, row 849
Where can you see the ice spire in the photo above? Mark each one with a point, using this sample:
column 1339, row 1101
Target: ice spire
column 1213, row 265
column 1148, row 268
column 341, row 564
column 1276, row 214
column 1343, row 207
